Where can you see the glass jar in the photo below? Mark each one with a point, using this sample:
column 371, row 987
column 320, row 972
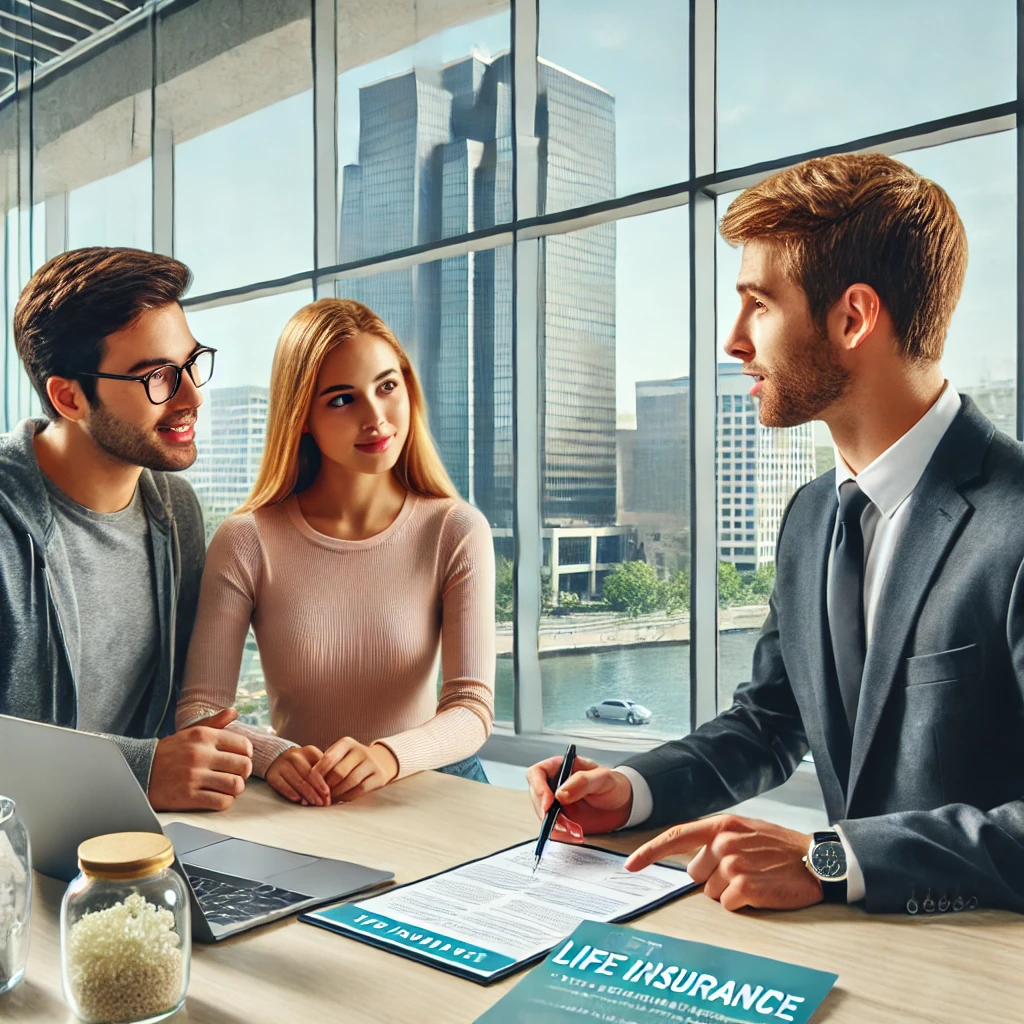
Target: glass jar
column 15, row 895
column 125, row 931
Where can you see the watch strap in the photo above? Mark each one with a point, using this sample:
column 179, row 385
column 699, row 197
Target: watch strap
column 832, row 890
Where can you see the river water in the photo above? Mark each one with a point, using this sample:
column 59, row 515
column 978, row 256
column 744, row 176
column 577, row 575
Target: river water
column 656, row 675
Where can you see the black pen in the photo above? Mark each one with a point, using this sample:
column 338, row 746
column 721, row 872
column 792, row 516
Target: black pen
column 553, row 811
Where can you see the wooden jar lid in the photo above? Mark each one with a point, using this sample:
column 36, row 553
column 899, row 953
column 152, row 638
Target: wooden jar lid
column 125, row 855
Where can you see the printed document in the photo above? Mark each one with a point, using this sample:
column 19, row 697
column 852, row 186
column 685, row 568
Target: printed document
column 490, row 915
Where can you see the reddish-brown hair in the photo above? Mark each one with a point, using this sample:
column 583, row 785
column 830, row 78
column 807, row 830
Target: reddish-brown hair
column 862, row 218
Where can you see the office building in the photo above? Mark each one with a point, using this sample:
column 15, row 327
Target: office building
column 230, row 452
column 435, row 161
column 758, row 467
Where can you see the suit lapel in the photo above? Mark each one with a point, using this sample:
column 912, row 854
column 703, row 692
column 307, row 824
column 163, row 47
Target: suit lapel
column 933, row 523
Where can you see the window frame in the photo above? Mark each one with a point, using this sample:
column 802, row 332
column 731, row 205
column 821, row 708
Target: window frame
column 705, row 183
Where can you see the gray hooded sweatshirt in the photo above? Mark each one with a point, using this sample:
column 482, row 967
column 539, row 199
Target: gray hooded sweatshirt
column 40, row 641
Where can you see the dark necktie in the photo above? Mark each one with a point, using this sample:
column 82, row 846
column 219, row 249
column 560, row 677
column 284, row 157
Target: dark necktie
column 846, row 598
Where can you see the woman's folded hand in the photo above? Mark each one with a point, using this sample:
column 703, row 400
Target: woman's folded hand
column 291, row 774
column 351, row 769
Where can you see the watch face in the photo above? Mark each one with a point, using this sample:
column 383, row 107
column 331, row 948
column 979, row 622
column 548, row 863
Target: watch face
column 828, row 859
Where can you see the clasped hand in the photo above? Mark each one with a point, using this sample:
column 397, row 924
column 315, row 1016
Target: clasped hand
column 741, row 862
column 345, row 771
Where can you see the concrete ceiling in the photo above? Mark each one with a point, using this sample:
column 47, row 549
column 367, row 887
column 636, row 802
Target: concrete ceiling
column 35, row 32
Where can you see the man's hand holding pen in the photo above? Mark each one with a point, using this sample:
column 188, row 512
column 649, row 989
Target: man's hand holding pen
column 594, row 799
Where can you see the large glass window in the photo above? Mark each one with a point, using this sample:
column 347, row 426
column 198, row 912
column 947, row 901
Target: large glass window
column 760, row 468
column 231, row 430
column 115, row 210
column 190, row 129
column 233, row 419
column 92, row 170
column 795, row 75
column 612, row 103
column 454, row 318
column 236, row 103
column 424, row 123
column 615, row 397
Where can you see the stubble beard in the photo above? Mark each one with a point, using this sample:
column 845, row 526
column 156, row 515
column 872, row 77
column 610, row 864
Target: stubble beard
column 134, row 446
column 803, row 384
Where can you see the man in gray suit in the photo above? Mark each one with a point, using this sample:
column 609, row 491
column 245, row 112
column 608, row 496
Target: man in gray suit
column 894, row 643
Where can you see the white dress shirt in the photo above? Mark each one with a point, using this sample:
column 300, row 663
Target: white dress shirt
column 888, row 482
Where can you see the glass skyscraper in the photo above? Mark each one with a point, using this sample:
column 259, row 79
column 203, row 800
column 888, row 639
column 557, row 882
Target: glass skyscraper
column 435, row 161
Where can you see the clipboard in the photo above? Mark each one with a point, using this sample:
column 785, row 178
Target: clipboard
column 357, row 919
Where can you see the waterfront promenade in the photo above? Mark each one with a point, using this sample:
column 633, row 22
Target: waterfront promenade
column 583, row 631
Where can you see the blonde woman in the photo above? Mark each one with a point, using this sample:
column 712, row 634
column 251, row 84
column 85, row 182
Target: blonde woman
column 353, row 560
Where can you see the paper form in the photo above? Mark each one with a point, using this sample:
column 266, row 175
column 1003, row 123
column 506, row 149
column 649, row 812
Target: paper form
column 490, row 914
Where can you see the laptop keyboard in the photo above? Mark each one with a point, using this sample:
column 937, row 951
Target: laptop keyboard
column 229, row 903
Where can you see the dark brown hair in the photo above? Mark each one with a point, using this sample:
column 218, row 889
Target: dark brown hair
column 862, row 218
column 75, row 300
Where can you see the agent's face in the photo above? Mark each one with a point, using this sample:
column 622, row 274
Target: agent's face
column 122, row 420
column 797, row 369
column 360, row 412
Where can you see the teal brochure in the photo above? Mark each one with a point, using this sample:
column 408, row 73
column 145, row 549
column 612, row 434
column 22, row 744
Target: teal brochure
column 623, row 976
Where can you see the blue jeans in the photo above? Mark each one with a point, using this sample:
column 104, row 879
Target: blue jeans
column 471, row 768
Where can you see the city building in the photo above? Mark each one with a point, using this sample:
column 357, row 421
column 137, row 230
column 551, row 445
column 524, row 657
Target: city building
column 435, row 161
column 230, row 450
column 758, row 467
column 654, row 474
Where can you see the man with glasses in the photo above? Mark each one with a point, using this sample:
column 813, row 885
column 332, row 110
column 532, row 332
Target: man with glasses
column 101, row 542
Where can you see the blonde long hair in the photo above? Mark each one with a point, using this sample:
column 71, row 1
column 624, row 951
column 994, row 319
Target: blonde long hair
column 291, row 459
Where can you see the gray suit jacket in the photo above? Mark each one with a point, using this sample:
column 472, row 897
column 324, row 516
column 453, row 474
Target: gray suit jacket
column 930, row 792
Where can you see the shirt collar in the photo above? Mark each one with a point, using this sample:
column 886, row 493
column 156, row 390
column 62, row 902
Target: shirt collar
column 892, row 477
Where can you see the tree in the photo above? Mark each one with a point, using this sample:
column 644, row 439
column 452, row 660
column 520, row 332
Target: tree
column 546, row 592
column 674, row 593
column 633, row 587
column 761, row 581
column 731, row 588
column 504, row 599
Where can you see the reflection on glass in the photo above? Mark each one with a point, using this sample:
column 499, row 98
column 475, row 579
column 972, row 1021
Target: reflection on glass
column 243, row 197
column 980, row 355
column 615, row 477
column 980, row 360
column 454, row 318
column 785, row 84
column 424, row 130
column 236, row 100
column 115, row 210
column 613, row 102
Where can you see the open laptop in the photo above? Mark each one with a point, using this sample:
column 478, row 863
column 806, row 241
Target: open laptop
column 69, row 786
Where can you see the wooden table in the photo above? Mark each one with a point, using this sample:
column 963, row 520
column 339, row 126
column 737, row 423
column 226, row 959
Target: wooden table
column 955, row 968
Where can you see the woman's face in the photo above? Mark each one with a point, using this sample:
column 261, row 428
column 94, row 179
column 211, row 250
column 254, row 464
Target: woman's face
column 360, row 412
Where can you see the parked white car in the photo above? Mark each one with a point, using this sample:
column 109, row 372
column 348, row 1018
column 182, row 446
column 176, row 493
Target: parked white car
column 620, row 711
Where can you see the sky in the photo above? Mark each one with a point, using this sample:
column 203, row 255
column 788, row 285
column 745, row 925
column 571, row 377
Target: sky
column 793, row 75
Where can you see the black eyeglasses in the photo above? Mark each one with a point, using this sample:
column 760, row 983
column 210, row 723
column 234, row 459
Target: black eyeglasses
column 162, row 382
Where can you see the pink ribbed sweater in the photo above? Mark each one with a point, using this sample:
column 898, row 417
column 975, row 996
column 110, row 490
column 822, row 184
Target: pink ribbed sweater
column 348, row 631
